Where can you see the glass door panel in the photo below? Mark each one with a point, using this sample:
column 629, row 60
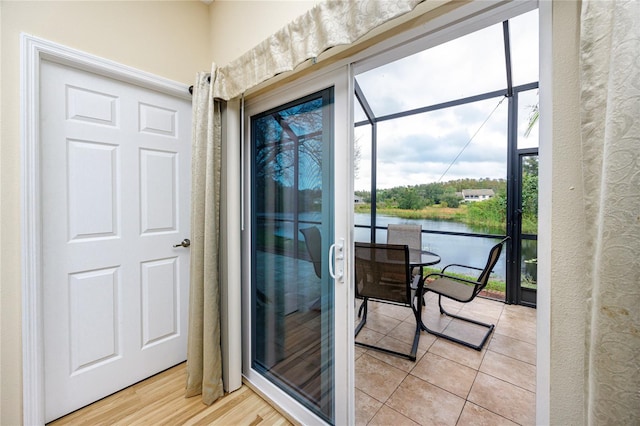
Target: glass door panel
column 528, row 235
column 291, row 290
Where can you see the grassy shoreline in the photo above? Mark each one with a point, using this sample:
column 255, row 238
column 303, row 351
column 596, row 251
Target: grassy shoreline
column 437, row 212
column 458, row 214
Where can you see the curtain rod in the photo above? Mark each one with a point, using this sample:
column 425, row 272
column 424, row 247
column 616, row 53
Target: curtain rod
column 191, row 87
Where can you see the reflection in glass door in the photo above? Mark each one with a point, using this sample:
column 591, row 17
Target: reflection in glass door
column 292, row 228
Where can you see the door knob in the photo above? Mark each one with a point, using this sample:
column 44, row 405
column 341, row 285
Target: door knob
column 185, row 243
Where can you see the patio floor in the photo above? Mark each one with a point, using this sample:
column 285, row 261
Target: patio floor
column 448, row 384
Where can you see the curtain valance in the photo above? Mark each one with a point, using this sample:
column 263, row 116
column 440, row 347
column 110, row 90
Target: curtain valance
column 328, row 24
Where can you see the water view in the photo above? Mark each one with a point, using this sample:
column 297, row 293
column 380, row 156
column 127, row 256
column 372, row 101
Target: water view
column 460, row 249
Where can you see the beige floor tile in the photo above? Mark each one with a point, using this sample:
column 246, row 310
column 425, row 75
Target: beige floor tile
column 510, row 370
column 430, row 297
column 458, row 353
column 393, row 344
column 387, row 416
column 518, row 322
column 446, row 374
column 425, row 403
column 381, row 323
column 400, row 363
column 434, row 320
column 377, row 378
column 489, row 310
column 503, row 391
column 405, row 332
column 514, row 348
column 474, row 415
column 517, row 328
column 426, row 341
column 368, row 336
column 520, row 312
column 366, row 407
column 400, row 313
column 466, row 331
column 505, row 399
column 479, row 316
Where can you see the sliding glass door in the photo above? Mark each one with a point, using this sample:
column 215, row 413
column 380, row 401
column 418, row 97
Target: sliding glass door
column 295, row 248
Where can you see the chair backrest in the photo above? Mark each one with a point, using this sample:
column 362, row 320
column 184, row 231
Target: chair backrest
column 399, row 233
column 313, row 241
column 382, row 272
column 494, row 255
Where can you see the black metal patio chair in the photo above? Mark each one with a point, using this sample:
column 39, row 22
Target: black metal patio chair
column 313, row 241
column 462, row 290
column 403, row 233
column 382, row 274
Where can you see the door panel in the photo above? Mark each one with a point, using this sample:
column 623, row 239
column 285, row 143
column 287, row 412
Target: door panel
column 92, row 169
column 159, row 301
column 292, row 304
column 115, row 195
column 158, row 186
column 300, row 340
column 94, row 329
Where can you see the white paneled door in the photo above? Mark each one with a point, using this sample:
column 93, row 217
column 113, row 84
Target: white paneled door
column 115, row 176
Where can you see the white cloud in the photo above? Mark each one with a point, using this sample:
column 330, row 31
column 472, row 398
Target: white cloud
column 418, row 149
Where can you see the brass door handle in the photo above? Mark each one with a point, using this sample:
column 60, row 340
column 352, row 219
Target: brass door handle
column 185, row 243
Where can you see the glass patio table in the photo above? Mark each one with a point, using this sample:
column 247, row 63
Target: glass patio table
column 421, row 258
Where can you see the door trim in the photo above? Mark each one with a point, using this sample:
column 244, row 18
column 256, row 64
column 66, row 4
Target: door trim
column 33, row 51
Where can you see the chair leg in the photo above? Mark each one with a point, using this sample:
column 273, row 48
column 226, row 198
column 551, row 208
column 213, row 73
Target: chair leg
column 489, row 328
column 363, row 308
column 416, row 337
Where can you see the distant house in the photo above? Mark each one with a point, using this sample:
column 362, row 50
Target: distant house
column 477, row 194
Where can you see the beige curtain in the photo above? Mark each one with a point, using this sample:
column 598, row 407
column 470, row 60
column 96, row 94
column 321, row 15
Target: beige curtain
column 204, row 359
column 610, row 99
column 328, row 24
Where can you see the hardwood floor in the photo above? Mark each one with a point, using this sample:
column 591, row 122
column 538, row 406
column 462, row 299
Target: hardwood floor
column 160, row 400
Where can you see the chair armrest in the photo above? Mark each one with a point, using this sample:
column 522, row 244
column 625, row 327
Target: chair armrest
column 461, row 266
column 451, row 277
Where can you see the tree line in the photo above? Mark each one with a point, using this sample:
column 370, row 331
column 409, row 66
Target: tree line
column 414, row 201
column 445, row 194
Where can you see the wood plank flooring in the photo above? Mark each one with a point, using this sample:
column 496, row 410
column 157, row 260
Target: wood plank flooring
column 160, row 400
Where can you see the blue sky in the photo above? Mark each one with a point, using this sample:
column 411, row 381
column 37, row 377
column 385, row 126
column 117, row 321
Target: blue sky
column 418, row 149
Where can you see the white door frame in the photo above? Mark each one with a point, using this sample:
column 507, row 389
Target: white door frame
column 33, row 51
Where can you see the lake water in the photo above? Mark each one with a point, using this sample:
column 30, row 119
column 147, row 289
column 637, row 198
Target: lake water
column 464, row 250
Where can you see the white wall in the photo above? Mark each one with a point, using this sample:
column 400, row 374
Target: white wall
column 167, row 38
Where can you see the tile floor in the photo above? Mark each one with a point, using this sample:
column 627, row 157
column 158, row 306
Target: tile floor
column 448, row 384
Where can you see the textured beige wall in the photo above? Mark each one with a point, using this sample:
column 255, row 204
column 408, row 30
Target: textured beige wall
column 239, row 25
column 167, row 38
column 568, row 246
